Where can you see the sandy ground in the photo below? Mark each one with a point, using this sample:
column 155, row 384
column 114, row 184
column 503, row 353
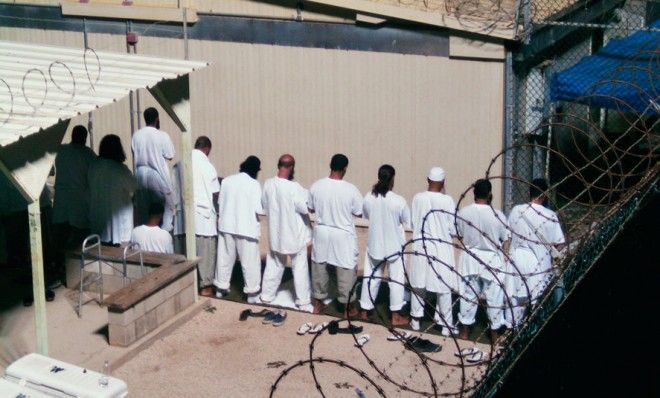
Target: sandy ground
column 215, row 354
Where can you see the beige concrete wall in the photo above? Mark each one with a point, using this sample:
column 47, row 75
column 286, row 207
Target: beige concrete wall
column 407, row 110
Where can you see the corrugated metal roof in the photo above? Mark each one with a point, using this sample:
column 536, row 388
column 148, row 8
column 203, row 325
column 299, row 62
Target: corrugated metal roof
column 41, row 85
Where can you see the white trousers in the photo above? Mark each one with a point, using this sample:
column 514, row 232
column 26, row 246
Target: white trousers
column 275, row 263
column 474, row 286
column 442, row 316
column 247, row 249
column 370, row 285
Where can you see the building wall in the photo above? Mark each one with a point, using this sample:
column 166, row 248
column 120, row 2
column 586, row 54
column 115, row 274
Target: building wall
column 411, row 111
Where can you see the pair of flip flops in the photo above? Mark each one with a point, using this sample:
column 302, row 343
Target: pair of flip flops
column 310, row 328
column 471, row 354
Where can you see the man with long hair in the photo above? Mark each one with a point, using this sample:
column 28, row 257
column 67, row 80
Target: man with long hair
column 388, row 216
column 111, row 188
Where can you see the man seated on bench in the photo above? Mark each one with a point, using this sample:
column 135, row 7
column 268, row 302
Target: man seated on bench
column 150, row 236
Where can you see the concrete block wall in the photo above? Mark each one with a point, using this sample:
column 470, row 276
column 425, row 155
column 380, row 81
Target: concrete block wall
column 126, row 327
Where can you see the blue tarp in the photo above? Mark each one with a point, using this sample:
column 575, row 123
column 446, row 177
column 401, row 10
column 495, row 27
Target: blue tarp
column 623, row 75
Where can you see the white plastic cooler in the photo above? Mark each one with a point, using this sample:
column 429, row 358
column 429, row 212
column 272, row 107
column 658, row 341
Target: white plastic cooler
column 9, row 389
column 61, row 379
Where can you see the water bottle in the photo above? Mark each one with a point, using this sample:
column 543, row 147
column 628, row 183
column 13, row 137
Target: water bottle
column 103, row 380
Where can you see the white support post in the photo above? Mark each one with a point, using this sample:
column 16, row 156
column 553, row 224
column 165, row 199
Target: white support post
column 174, row 97
column 188, row 201
column 38, row 280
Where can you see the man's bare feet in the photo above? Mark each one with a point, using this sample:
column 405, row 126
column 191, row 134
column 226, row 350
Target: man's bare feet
column 351, row 311
column 207, row 291
column 465, row 332
column 364, row 315
column 399, row 319
column 318, row 306
column 494, row 336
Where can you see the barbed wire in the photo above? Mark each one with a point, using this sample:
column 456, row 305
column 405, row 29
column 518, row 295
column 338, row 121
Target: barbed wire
column 591, row 172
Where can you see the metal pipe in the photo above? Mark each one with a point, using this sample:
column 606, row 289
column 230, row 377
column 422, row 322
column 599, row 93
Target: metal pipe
column 509, row 109
column 90, row 118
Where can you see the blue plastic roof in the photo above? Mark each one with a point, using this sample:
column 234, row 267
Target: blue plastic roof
column 623, row 75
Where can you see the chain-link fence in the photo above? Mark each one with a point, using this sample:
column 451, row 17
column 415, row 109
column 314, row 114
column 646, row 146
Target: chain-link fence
column 555, row 35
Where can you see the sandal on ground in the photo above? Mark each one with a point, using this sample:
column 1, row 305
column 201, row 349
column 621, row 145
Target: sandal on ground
column 318, row 328
column 476, row 357
column 362, row 340
column 465, row 352
column 333, row 328
column 405, row 335
column 422, row 345
column 304, row 328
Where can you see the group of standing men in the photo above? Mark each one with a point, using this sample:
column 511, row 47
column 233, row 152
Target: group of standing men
column 227, row 227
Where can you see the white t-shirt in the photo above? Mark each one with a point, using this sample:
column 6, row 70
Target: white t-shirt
column 335, row 202
column 205, row 184
column 152, row 239
column 240, row 203
column 388, row 216
column 285, row 203
column 433, row 275
column 535, row 227
column 111, row 187
column 71, row 188
column 474, row 221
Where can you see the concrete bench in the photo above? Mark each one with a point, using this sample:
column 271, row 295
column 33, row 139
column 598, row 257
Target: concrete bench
column 112, row 263
column 145, row 304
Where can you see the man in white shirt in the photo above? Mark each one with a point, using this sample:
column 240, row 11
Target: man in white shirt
column 433, row 269
column 335, row 247
column 205, row 195
column 535, row 231
column 289, row 233
column 388, row 215
column 152, row 150
column 71, row 205
column 483, row 232
column 240, row 207
column 150, row 236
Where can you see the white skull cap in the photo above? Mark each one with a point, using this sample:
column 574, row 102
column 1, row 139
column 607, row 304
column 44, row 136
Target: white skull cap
column 437, row 174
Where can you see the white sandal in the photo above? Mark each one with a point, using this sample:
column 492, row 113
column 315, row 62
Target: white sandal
column 318, row 328
column 468, row 351
column 362, row 340
column 304, row 328
column 403, row 336
column 476, row 357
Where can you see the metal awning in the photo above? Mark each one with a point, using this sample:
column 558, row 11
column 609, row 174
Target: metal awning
column 43, row 87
